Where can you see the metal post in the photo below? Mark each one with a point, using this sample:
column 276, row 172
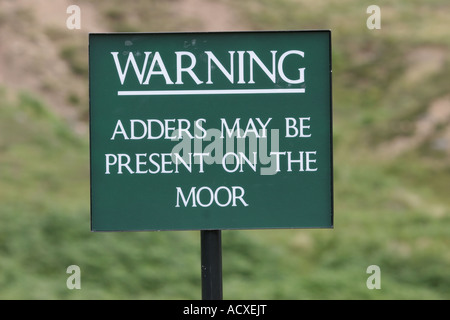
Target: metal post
column 211, row 256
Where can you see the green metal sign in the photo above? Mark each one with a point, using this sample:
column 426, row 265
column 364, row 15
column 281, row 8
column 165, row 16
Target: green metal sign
column 204, row 131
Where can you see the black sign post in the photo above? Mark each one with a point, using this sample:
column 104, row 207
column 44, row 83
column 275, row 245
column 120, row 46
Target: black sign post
column 211, row 259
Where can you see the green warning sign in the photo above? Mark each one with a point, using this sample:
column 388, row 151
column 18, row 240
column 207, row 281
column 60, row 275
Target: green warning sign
column 203, row 131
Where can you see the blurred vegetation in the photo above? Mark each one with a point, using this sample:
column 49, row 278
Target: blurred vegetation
column 391, row 209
